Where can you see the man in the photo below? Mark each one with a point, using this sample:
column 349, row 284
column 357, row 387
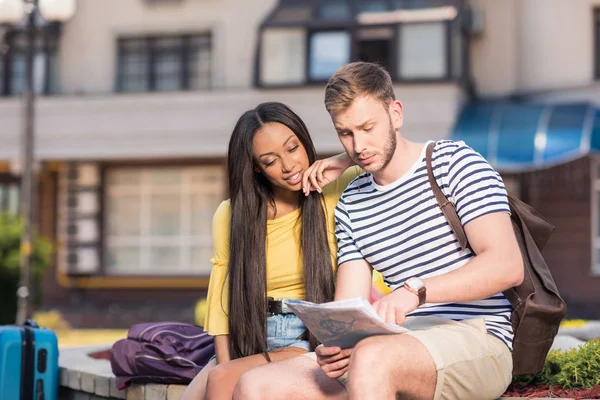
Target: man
column 460, row 338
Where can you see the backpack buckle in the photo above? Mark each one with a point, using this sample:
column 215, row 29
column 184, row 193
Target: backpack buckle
column 446, row 203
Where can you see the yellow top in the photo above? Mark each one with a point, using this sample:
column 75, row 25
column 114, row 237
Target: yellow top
column 284, row 270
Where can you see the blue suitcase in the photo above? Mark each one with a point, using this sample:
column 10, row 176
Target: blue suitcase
column 28, row 363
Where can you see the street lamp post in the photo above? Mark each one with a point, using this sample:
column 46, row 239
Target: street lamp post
column 12, row 12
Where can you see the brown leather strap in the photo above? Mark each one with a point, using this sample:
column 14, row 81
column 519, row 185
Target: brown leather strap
column 445, row 205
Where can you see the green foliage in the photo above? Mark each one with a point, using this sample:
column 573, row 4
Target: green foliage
column 10, row 243
column 573, row 369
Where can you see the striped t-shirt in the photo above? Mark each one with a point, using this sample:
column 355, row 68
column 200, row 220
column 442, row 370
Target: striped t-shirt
column 401, row 232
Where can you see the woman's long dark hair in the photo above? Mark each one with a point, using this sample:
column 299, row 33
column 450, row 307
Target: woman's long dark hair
column 251, row 196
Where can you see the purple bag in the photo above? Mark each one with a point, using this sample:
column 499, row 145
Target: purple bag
column 161, row 352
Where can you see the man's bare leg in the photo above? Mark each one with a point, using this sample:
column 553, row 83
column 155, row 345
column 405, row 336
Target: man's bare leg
column 296, row 378
column 223, row 378
column 383, row 366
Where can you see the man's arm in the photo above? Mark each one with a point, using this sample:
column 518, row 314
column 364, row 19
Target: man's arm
column 497, row 266
column 354, row 279
column 482, row 206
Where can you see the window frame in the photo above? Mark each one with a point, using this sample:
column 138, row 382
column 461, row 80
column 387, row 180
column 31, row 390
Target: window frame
column 185, row 77
column 353, row 28
column 104, row 216
column 8, row 180
column 596, row 34
column 48, row 36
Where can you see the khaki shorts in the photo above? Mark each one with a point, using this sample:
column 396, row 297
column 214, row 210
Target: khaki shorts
column 470, row 363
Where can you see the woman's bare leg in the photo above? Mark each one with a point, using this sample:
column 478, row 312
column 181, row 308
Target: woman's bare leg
column 223, row 378
column 197, row 388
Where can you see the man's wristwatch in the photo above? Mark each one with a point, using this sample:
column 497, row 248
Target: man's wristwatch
column 416, row 286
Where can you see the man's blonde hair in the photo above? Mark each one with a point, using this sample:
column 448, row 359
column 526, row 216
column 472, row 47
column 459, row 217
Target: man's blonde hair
column 358, row 79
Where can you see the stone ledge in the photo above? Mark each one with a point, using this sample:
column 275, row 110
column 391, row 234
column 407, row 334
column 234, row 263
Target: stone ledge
column 85, row 378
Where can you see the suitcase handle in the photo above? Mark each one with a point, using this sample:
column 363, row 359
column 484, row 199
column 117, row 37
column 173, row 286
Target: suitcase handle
column 31, row 323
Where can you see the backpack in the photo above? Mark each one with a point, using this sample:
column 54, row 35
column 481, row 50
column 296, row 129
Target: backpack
column 537, row 305
column 161, row 352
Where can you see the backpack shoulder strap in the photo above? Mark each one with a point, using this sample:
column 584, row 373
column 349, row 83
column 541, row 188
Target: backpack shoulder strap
column 445, row 205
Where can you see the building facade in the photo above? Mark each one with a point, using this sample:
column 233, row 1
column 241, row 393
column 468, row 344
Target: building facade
column 138, row 99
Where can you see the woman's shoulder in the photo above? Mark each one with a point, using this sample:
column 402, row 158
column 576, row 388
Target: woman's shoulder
column 222, row 216
column 337, row 187
column 224, row 210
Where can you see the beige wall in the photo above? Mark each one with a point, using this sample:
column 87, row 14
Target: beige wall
column 494, row 52
column 534, row 45
column 88, row 46
column 195, row 124
column 558, row 43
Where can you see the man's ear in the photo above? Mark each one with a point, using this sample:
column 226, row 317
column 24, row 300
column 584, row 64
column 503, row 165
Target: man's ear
column 396, row 113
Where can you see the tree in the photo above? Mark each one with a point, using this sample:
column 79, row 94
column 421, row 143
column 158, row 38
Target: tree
column 10, row 243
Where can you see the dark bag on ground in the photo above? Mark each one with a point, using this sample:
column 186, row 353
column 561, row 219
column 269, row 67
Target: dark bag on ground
column 161, row 352
column 537, row 305
column 28, row 362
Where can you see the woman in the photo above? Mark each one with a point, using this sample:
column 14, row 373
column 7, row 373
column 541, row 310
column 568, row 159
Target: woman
column 270, row 241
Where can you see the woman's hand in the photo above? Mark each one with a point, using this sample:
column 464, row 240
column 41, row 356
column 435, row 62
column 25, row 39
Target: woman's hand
column 323, row 172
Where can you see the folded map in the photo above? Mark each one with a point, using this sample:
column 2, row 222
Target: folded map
column 342, row 323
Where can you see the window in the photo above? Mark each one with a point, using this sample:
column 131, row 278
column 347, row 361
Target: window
column 375, row 45
column 13, row 63
column 9, row 194
column 164, row 63
column 328, row 52
column 597, row 40
column 422, row 43
column 282, row 56
column 422, row 51
column 159, row 220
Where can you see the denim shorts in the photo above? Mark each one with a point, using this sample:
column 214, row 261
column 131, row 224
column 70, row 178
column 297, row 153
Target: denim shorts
column 285, row 330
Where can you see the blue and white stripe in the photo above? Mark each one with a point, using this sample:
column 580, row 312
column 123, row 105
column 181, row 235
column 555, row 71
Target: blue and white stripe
column 400, row 230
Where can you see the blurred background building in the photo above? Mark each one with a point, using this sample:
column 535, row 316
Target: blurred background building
column 139, row 97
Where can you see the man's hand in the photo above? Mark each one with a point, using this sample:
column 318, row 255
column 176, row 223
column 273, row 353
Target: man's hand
column 333, row 361
column 394, row 307
column 323, row 172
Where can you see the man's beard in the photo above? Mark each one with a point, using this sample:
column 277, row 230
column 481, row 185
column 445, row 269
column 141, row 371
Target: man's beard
column 389, row 150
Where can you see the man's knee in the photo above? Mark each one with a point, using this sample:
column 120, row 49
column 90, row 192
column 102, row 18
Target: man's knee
column 368, row 354
column 373, row 355
column 251, row 386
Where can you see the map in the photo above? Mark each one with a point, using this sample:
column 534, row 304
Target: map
column 342, row 323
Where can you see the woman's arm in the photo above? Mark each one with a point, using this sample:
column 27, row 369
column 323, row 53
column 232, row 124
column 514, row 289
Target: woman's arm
column 222, row 348
column 323, row 172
